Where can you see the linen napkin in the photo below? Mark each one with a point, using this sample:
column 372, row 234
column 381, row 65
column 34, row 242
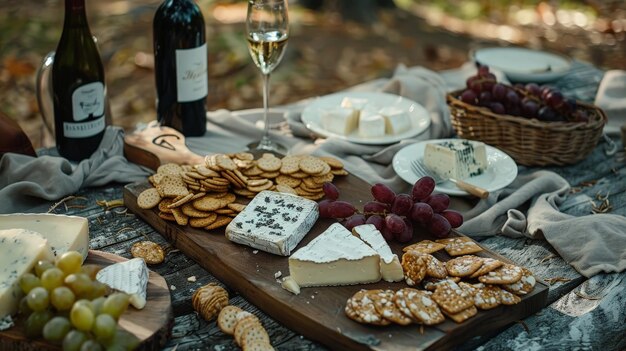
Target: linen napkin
column 25, row 180
column 611, row 98
column 591, row 244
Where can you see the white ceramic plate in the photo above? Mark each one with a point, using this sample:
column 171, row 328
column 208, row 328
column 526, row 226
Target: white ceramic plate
column 524, row 65
column 500, row 172
column 420, row 119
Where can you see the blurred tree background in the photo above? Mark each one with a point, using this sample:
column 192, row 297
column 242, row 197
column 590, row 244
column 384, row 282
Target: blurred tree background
column 333, row 44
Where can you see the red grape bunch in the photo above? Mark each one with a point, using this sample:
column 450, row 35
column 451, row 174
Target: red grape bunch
column 530, row 100
column 395, row 215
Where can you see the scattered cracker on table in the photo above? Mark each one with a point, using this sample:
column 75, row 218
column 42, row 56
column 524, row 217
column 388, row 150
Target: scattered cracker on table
column 151, row 252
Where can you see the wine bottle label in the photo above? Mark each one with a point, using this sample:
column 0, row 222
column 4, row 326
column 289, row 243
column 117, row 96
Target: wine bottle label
column 87, row 111
column 191, row 74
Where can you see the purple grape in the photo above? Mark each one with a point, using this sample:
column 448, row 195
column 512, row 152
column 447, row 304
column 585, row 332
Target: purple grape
column 402, row 205
column 497, row 107
column 468, row 96
column 439, row 226
column 375, row 207
column 484, row 98
column 331, row 191
column 498, row 92
column 483, row 70
column 554, row 99
column 545, row 90
column 439, row 202
column 548, row 114
column 422, row 188
column 514, row 110
column 473, row 83
column 580, row 116
column 354, row 220
column 341, row 209
column 407, row 234
column 377, row 220
column 383, row 193
column 421, row 213
column 386, row 233
column 455, row 218
column 489, row 81
column 394, row 223
column 324, row 207
column 511, row 98
column 529, row 107
column 533, row 89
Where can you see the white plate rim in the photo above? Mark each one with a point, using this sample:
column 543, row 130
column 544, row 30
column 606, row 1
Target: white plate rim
column 420, row 117
column 525, row 75
column 501, row 180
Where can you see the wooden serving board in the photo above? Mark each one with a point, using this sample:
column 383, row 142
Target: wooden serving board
column 318, row 312
column 152, row 324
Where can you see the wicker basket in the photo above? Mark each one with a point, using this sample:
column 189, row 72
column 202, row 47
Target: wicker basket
column 529, row 142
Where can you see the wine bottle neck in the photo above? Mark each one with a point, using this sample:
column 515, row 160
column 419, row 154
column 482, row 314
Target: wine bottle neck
column 75, row 12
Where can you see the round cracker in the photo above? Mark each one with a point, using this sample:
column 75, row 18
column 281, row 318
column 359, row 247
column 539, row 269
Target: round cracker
column 148, row 198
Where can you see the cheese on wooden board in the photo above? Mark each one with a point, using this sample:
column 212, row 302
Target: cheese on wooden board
column 340, row 120
column 273, row 222
column 130, row 277
column 390, row 266
column 64, row 233
column 397, row 120
column 20, row 249
column 335, row 257
column 459, row 159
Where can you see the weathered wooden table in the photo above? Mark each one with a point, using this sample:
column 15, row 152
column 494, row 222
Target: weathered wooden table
column 583, row 314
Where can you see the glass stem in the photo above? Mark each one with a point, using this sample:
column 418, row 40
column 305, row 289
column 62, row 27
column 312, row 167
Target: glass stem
column 265, row 141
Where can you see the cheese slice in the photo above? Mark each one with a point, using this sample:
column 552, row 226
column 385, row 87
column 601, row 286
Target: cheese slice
column 340, row 120
column 64, row 233
column 459, row 159
column 273, row 222
column 390, row 266
column 130, row 277
column 335, row 257
column 371, row 125
column 20, row 249
column 397, row 120
column 354, row 103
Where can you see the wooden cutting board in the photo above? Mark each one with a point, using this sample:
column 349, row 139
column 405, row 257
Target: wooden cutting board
column 318, row 312
column 152, row 324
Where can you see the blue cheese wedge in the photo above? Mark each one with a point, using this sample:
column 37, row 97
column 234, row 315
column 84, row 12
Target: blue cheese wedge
column 273, row 222
column 459, row 159
column 64, row 233
column 130, row 277
column 335, row 257
column 20, row 249
column 390, row 267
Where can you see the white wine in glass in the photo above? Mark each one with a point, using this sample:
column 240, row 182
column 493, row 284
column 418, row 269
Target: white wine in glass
column 267, row 30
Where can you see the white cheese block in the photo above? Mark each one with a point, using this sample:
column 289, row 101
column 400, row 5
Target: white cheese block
column 390, row 266
column 20, row 249
column 290, row 285
column 130, row 277
column 459, row 159
column 64, row 233
column 340, row 120
column 335, row 257
column 397, row 120
column 371, row 125
column 273, row 222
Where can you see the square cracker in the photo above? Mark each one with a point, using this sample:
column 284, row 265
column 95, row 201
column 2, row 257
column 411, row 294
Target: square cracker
column 460, row 246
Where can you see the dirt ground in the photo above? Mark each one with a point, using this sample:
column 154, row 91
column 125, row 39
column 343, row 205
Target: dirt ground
column 325, row 53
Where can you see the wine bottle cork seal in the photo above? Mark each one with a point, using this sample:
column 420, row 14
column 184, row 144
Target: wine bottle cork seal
column 149, row 251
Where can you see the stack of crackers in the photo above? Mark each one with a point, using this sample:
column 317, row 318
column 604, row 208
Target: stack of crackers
column 209, row 195
column 245, row 328
column 456, row 288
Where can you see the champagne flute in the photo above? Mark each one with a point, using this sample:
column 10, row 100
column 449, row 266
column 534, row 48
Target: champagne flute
column 267, row 30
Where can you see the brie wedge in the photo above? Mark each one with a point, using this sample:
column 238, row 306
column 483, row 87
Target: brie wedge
column 335, row 257
column 390, row 266
column 130, row 277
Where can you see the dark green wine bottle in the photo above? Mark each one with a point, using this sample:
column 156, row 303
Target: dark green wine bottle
column 78, row 87
column 180, row 66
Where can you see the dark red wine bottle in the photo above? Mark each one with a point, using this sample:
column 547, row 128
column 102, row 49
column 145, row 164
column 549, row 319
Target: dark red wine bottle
column 78, row 87
column 180, row 65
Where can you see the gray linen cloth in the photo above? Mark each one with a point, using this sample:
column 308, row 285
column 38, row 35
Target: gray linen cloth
column 25, row 180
